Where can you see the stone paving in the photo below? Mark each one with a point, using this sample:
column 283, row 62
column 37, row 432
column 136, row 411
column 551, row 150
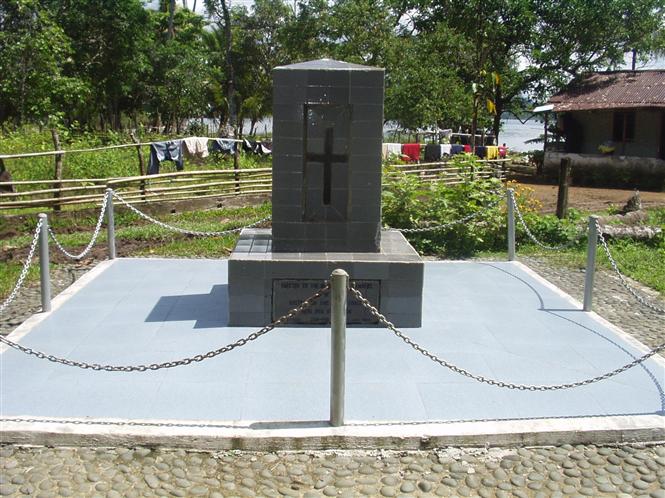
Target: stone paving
column 624, row 471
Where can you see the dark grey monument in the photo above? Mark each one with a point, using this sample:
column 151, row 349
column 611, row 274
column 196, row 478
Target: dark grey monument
column 326, row 194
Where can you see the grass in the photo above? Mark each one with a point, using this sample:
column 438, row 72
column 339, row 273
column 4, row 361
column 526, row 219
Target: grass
column 152, row 239
column 102, row 164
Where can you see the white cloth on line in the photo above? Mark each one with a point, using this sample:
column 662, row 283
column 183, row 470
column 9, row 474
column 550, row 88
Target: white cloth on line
column 392, row 149
column 196, row 146
column 445, row 150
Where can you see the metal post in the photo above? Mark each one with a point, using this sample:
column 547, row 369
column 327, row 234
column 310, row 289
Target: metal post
column 339, row 282
column 44, row 280
column 110, row 223
column 590, row 262
column 511, row 224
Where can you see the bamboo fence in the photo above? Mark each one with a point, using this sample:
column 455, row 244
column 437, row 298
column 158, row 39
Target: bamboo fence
column 191, row 185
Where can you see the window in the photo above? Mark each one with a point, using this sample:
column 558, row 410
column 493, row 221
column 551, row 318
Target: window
column 624, row 127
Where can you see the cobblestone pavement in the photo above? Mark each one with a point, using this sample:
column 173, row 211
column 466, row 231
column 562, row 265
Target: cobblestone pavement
column 525, row 472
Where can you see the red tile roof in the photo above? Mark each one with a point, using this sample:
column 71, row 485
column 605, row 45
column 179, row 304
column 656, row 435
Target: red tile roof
column 613, row 90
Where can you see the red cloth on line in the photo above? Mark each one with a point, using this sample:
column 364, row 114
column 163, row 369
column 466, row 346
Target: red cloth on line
column 503, row 151
column 412, row 151
column 467, row 148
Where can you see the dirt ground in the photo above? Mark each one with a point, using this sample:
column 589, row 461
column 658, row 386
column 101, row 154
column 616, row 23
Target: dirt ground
column 593, row 199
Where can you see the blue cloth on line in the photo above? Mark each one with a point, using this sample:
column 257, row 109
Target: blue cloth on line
column 456, row 149
column 224, row 145
column 165, row 151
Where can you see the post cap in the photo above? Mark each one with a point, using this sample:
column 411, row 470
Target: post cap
column 339, row 273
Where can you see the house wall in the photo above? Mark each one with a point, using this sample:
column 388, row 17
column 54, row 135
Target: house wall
column 597, row 129
column 607, row 170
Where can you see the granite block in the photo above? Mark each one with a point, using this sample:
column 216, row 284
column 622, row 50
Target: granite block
column 328, row 78
column 372, row 95
column 288, row 129
column 368, row 112
column 288, row 112
column 367, row 129
column 366, row 146
column 366, row 79
column 288, row 146
column 287, row 197
column 286, row 78
column 293, row 93
column 403, row 305
column 327, row 94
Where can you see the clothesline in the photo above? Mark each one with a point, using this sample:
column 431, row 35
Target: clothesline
column 108, row 147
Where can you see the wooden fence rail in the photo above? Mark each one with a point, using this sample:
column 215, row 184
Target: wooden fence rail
column 190, row 185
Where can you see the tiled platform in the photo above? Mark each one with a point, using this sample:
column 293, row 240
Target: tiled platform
column 494, row 319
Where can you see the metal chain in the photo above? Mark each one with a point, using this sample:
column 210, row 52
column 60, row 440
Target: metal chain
column 451, row 223
column 24, row 271
column 568, row 244
column 509, row 385
column 176, row 363
column 87, row 249
column 182, row 230
column 622, row 279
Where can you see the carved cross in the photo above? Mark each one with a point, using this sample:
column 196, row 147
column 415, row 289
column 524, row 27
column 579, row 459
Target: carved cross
column 327, row 158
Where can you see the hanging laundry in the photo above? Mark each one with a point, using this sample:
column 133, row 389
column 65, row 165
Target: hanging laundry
column 446, row 150
column 492, row 152
column 432, row 152
column 467, row 148
column 384, row 151
column 503, row 151
column 389, row 149
column 165, row 151
column 266, row 147
column 412, row 151
column 481, row 151
column 224, row 145
column 196, row 147
column 456, row 149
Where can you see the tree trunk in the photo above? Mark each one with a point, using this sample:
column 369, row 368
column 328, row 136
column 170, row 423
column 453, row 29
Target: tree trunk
column 171, row 14
column 230, row 82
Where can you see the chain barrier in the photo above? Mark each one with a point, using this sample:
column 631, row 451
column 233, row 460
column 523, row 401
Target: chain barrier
column 540, row 244
column 176, row 363
column 95, row 234
column 451, row 223
column 509, row 385
column 622, row 279
column 24, row 271
column 182, row 230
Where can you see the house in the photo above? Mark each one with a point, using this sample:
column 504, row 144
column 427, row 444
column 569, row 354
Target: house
column 613, row 125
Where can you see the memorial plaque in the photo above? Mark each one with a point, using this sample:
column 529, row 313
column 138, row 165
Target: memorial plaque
column 289, row 294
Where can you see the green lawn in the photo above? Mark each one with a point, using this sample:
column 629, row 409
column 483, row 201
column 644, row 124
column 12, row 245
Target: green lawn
column 642, row 261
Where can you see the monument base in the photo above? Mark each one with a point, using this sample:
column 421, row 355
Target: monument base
column 264, row 285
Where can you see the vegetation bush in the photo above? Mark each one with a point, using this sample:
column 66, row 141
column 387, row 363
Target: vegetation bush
column 410, row 203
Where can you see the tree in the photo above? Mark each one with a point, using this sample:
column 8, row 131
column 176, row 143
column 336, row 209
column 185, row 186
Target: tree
column 536, row 47
column 220, row 12
column 178, row 85
column 111, row 41
column 424, row 85
column 34, row 56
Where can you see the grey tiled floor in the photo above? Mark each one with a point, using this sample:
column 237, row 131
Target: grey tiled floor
column 491, row 318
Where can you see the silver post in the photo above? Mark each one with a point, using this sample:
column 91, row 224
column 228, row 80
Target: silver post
column 44, row 280
column 110, row 223
column 510, row 199
column 339, row 282
column 590, row 262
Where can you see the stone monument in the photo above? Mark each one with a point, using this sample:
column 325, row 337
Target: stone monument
column 326, row 195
